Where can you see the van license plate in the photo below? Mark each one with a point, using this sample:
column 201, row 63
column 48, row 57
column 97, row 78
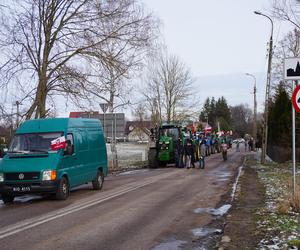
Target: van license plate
column 21, row 189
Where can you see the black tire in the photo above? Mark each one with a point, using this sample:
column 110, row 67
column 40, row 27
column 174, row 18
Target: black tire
column 6, row 198
column 98, row 182
column 63, row 189
column 152, row 158
column 162, row 164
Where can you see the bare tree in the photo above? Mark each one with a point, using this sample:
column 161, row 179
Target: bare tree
column 242, row 119
column 289, row 46
column 74, row 48
column 287, row 10
column 168, row 87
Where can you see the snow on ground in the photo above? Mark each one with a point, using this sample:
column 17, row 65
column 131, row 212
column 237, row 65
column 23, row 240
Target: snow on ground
column 129, row 154
column 281, row 228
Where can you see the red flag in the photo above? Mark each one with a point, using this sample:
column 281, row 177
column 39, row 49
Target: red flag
column 58, row 143
column 208, row 128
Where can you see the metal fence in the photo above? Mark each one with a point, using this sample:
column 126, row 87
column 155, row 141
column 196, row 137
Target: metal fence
column 129, row 156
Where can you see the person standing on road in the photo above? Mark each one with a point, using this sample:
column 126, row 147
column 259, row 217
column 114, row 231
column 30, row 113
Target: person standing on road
column 237, row 146
column 179, row 153
column 250, row 143
column 189, row 152
column 202, row 154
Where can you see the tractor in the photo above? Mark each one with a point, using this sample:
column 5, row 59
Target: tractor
column 164, row 146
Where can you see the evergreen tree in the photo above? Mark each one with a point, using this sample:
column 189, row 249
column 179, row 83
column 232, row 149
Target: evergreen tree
column 223, row 111
column 216, row 111
column 280, row 119
column 212, row 114
column 205, row 110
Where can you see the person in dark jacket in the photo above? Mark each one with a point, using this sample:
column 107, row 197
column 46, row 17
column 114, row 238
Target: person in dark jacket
column 189, row 153
column 179, row 154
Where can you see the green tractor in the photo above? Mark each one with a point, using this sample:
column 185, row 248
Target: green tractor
column 164, row 145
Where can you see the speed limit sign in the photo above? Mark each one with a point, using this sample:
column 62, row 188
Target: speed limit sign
column 296, row 98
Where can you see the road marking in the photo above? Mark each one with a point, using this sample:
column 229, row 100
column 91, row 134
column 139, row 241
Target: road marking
column 30, row 223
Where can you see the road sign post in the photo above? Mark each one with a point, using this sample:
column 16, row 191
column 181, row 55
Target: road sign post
column 104, row 107
column 292, row 72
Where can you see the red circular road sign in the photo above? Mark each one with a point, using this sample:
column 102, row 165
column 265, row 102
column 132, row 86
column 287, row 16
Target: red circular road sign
column 296, row 98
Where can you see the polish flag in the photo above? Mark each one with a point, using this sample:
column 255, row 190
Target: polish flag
column 207, row 128
column 58, row 143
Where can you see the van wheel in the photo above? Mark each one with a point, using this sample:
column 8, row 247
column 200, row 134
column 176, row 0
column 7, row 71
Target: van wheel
column 62, row 192
column 6, row 198
column 98, row 182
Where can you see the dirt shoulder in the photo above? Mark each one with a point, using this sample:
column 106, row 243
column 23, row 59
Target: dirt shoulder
column 240, row 227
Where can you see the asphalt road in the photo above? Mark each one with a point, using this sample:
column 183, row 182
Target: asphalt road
column 146, row 209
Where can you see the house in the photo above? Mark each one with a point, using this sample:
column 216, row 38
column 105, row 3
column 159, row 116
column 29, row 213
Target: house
column 138, row 130
column 5, row 135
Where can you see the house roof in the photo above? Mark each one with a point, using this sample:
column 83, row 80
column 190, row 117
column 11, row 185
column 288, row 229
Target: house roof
column 144, row 125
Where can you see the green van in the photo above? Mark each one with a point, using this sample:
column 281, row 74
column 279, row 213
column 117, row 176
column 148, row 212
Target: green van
column 53, row 156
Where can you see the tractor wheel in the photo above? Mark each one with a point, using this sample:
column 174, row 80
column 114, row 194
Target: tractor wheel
column 162, row 164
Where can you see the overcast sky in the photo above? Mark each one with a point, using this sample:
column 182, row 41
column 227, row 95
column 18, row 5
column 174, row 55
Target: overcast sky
column 220, row 40
column 216, row 36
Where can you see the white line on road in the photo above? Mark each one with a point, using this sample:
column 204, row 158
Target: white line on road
column 19, row 227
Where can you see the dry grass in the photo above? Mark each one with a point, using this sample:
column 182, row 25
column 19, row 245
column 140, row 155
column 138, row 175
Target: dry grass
column 284, row 207
column 294, row 201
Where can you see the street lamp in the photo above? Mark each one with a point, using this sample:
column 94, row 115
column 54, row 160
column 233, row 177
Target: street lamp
column 254, row 109
column 268, row 86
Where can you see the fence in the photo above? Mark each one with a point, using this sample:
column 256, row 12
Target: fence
column 129, row 156
column 282, row 154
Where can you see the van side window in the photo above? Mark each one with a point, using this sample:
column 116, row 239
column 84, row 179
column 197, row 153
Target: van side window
column 70, row 140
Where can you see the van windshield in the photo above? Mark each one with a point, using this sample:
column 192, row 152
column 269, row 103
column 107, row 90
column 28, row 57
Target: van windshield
column 33, row 142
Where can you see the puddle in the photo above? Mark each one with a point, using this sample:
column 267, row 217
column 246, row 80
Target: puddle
column 214, row 211
column 26, row 198
column 220, row 211
column 203, row 232
column 171, row 245
column 202, row 210
column 224, row 175
column 223, row 179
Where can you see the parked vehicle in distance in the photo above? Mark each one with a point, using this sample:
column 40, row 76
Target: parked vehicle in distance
column 52, row 156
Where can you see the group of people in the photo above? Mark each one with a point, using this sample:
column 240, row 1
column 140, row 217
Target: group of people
column 250, row 145
column 195, row 150
column 191, row 155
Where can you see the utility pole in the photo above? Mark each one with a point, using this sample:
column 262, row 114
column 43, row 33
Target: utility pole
column 267, row 97
column 254, row 110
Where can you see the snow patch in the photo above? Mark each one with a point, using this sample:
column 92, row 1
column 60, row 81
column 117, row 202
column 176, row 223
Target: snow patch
column 221, row 211
column 203, row 232
column 214, row 211
column 175, row 244
column 234, row 187
column 26, row 198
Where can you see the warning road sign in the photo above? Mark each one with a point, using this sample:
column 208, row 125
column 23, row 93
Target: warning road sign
column 296, row 98
column 292, row 68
